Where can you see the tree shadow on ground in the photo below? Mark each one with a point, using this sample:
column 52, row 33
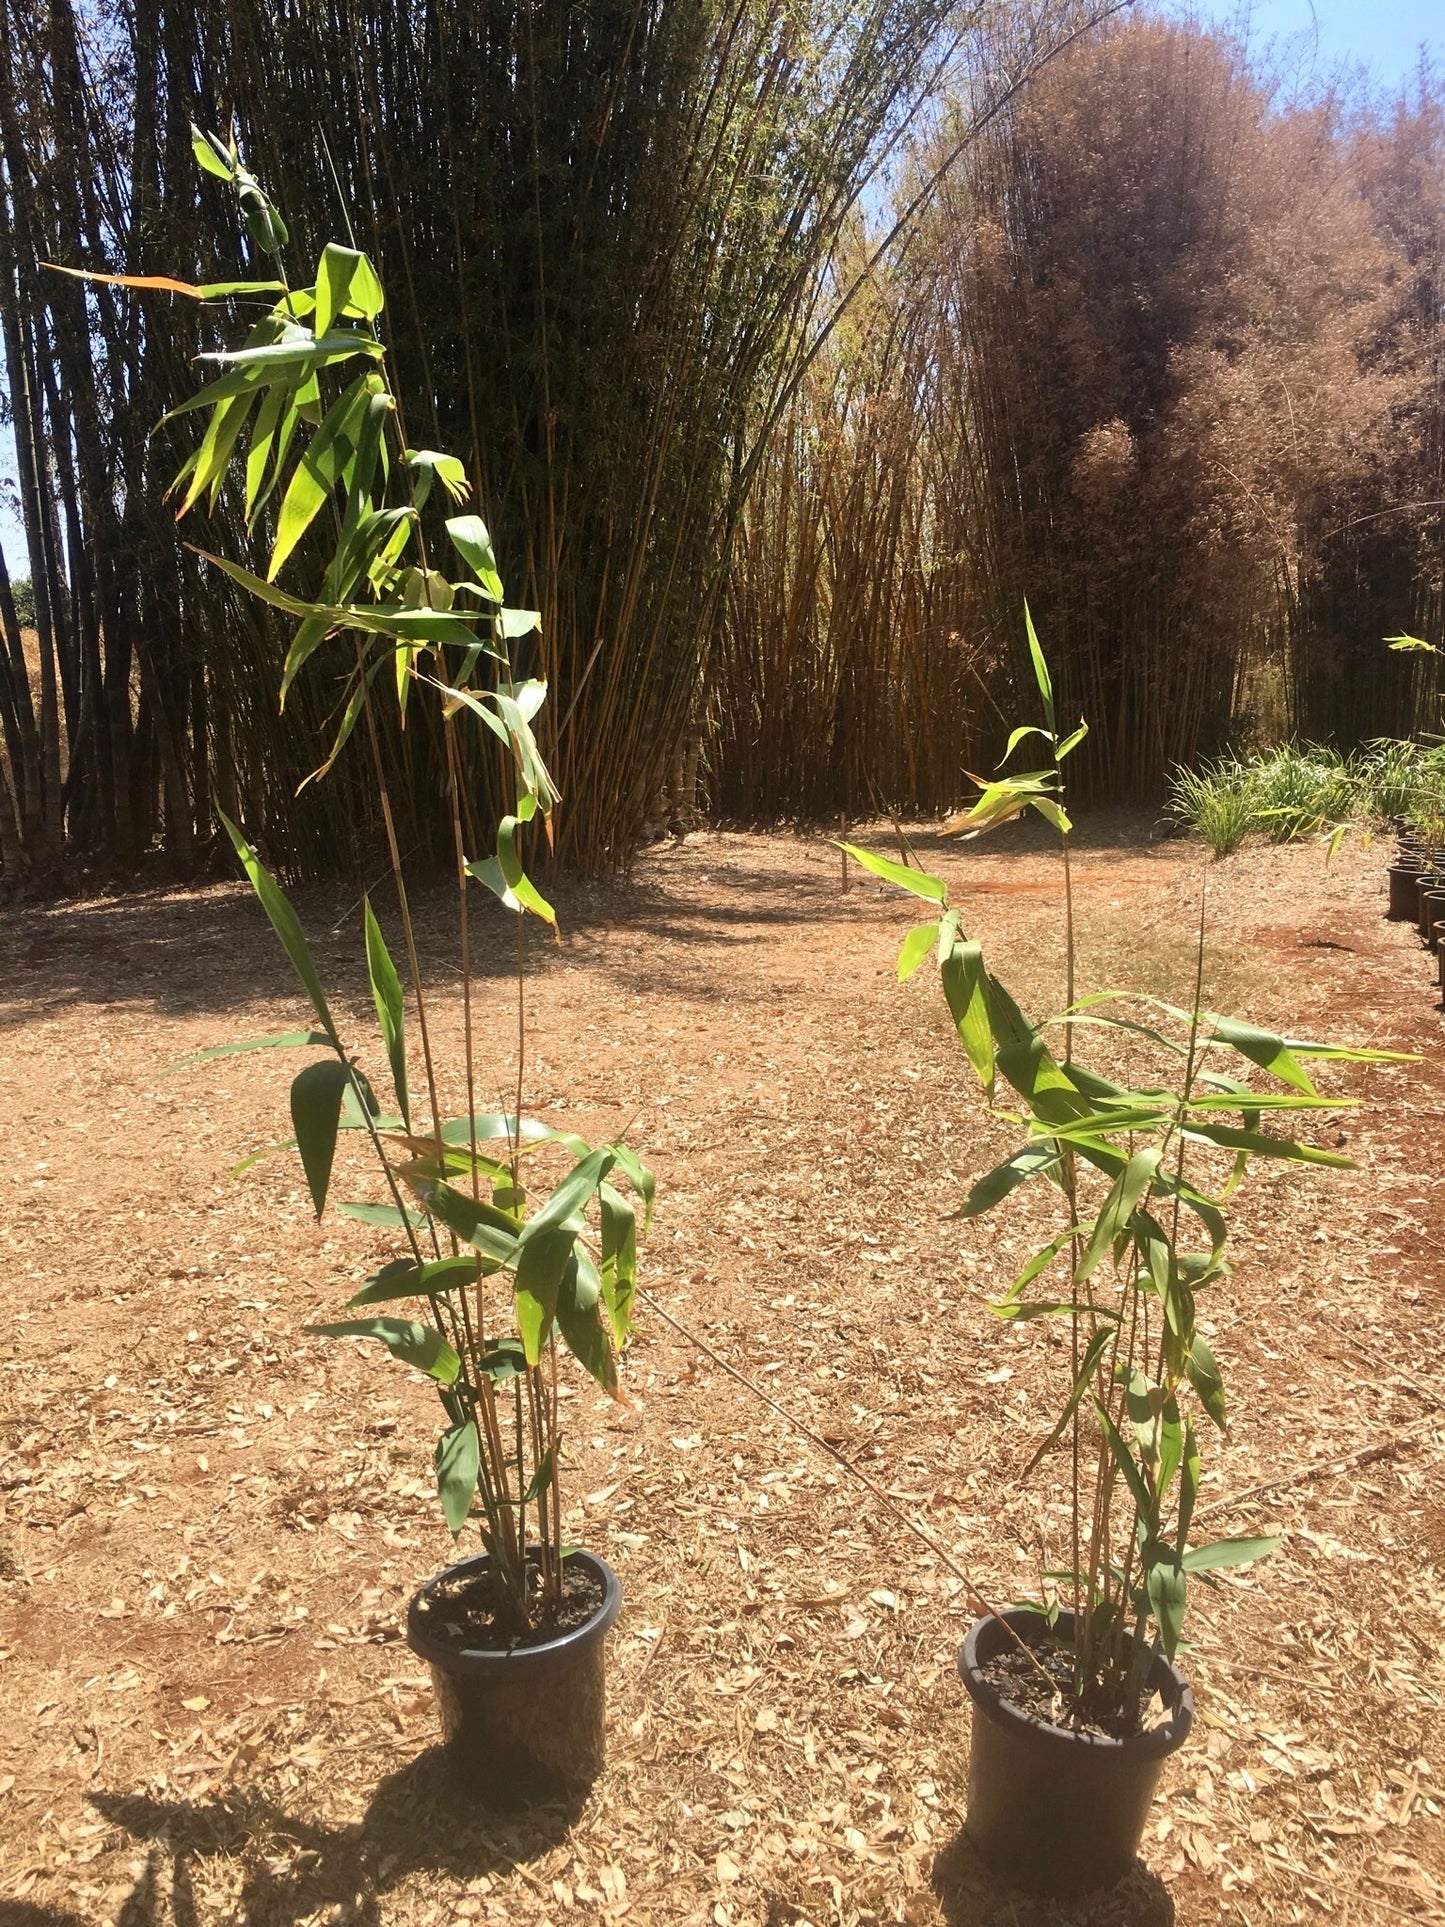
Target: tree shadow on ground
column 417, row 1821
column 971, row 1896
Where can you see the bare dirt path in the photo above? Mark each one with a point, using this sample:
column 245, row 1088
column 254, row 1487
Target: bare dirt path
column 210, row 1524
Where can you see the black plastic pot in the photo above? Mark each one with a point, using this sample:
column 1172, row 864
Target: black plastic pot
column 1057, row 1811
column 1426, row 888
column 529, row 1724
column 1403, row 878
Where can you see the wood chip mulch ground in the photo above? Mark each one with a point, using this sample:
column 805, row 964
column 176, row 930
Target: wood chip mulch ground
column 210, row 1523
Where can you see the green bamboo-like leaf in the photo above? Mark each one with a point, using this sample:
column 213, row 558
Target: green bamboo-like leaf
column 1188, row 1485
column 429, row 466
column 1139, row 1488
column 1033, row 1161
column 580, row 1319
column 916, row 946
column 518, row 622
column 481, row 1225
column 1071, row 742
column 1041, row 668
column 917, row 882
column 526, row 893
column 316, row 1094
column 1023, row 1309
column 1093, row 1352
column 357, row 686
column 1035, row 1267
column 265, row 439
column 1167, row 1588
column 638, row 1176
column 1238, row 1098
column 387, row 995
column 1204, row 1375
column 536, row 780
column 458, row 1460
column 1052, row 812
column 1203, row 1208
column 317, row 473
column 1019, row 735
column 1119, row 1207
column 1262, row 1047
column 543, row 1474
column 965, row 986
column 573, row 1192
column 405, row 1278
column 1097, row 1125
column 304, row 644
column 540, row 1270
column 503, row 1360
column 470, row 539
column 619, row 1261
column 1229, row 1552
column 212, row 156
column 486, row 1127
column 264, row 225
column 419, row 1345
column 283, row 1040
column 214, row 453
column 998, row 803
column 546, row 1244
column 298, row 349
column 383, row 1217
column 1347, row 1054
column 285, row 923
column 346, row 283
column 1260, row 1144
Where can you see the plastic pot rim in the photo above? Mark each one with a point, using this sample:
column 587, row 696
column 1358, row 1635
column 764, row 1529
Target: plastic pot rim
column 1155, row 1743
column 489, row 1659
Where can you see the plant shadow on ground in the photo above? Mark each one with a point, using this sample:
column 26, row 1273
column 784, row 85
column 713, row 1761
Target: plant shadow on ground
column 970, row 1896
column 22, row 1913
column 417, row 1822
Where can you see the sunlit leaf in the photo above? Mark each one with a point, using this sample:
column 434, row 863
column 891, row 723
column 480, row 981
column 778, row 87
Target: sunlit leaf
column 414, row 1344
column 917, row 882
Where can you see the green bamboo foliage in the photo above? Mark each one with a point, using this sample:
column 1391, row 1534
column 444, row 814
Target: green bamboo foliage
column 383, row 571
column 1142, row 1178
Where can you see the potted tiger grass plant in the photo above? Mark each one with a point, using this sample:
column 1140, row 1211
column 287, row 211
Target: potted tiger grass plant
column 1077, row 1697
column 514, row 1242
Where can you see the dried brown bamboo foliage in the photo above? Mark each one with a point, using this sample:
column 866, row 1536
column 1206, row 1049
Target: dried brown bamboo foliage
column 1159, row 359
column 1167, row 303
column 1379, row 549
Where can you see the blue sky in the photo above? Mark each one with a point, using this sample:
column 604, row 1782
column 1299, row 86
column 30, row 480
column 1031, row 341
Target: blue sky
column 1299, row 36
column 1382, row 35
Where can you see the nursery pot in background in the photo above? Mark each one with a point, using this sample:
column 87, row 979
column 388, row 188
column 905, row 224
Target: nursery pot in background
column 1050, row 1809
column 1403, row 878
column 522, row 1724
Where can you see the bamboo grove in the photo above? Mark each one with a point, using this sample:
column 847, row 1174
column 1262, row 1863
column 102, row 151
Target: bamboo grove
column 792, row 344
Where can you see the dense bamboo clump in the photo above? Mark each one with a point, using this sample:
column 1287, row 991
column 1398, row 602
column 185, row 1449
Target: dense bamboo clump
column 622, row 215
column 1163, row 358
column 793, row 347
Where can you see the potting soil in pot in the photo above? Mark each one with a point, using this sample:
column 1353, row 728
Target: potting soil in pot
column 461, row 1611
column 1016, row 1677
